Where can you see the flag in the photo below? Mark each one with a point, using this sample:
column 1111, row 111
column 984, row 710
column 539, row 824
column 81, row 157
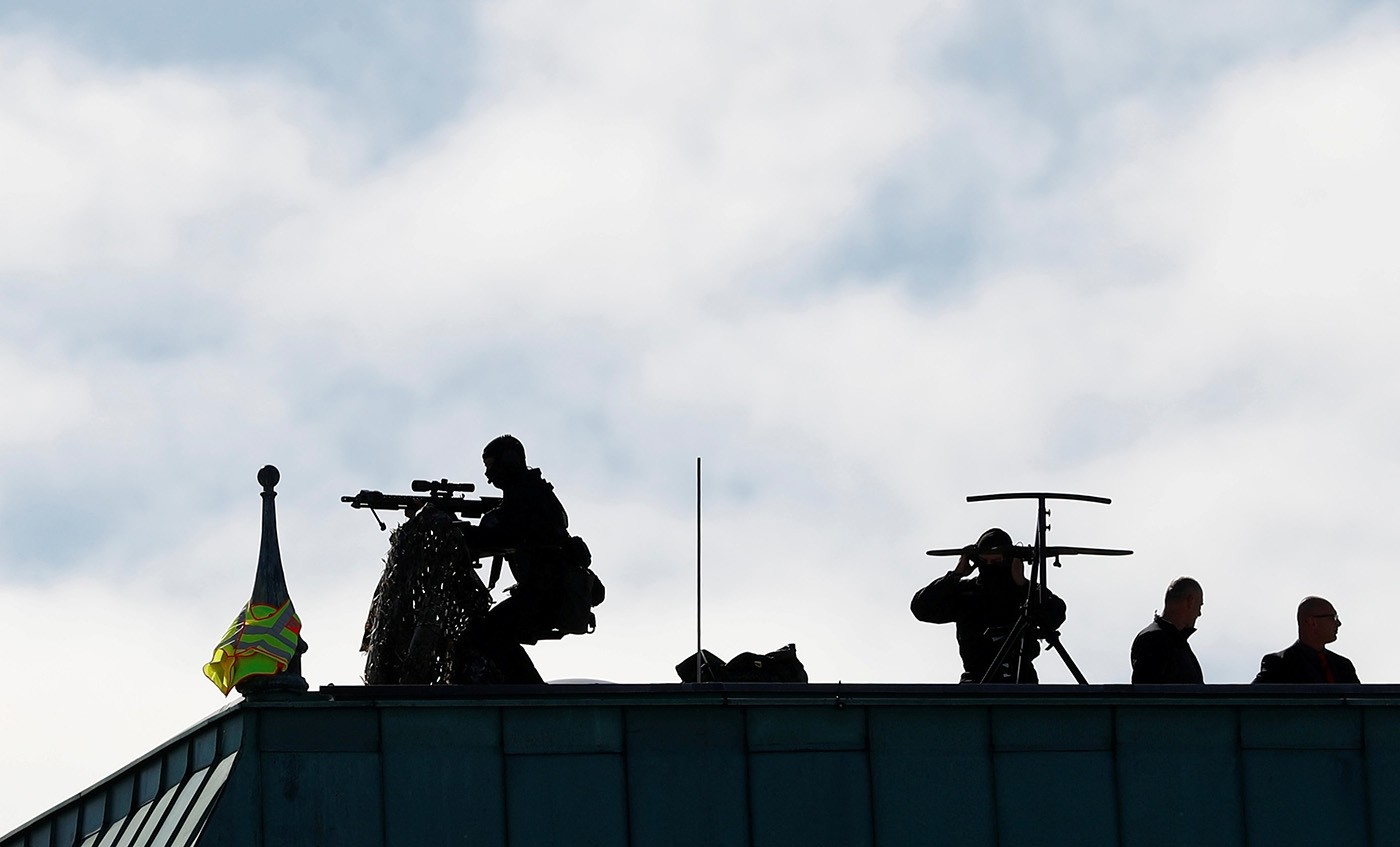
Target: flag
column 261, row 642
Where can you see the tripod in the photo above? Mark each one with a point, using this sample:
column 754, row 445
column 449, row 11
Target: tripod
column 1037, row 555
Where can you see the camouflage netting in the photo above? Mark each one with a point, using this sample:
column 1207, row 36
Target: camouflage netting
column 428, row 595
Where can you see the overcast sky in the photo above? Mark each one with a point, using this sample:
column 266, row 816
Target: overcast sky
column 864, row 258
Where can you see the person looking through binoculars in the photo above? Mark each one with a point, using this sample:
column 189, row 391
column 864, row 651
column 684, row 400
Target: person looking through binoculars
column 986, row 607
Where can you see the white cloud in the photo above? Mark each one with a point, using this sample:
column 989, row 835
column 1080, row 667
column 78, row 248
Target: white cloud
column 128, row 171
column 592, row 183
column 43, row 401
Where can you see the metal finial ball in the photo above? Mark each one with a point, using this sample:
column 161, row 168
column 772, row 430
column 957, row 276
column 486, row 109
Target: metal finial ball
column 269, row 476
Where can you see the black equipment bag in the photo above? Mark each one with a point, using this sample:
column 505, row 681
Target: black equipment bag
column 781, row 665
column 711, row 668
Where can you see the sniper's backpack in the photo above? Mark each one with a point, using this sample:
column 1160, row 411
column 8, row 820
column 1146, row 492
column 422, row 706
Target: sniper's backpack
column 580, row 590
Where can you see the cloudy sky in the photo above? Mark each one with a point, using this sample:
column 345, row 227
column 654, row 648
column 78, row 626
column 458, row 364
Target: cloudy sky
column 865, row 259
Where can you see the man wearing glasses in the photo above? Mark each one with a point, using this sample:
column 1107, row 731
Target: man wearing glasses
column 1309, row 660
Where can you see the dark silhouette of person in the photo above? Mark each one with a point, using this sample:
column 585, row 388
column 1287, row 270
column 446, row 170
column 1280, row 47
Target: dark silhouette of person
column 531, row 525
column 986, row 607
column 1309, row 661
column 1161, row 654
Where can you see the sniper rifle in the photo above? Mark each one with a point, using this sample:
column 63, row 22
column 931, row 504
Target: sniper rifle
column 441, row 494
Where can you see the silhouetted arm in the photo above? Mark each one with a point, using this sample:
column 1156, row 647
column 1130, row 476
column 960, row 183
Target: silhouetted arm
column 939, row 601
column 529, row 513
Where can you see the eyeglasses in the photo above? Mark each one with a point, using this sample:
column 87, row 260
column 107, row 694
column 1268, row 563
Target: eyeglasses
column 1334, row 616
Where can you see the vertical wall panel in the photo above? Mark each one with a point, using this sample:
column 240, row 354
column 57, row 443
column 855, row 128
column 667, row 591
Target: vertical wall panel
column 686, row 776
column 932, row 776
column 565, row 781
column 321, row 799
column 809, row 775
column 566, row 800
column 1304, row 777
column 1054, row 776
column 810, row 798
column 1047, row 798
column 1179, row 776
column 443, row 777
column 1382, row 734
column 1305, row 797
column 1056, row 798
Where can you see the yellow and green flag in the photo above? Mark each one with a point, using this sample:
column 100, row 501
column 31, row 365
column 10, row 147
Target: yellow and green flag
column 261, row 642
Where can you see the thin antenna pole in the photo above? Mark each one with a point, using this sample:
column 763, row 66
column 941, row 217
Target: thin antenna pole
column 697, row 569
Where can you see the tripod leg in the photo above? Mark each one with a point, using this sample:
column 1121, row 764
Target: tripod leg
column 1053, row 639
column 1013, row 640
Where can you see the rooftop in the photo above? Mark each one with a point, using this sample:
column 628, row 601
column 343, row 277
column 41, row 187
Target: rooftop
column 760, row 765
